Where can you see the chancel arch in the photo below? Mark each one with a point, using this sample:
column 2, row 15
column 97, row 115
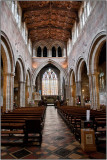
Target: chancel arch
column 48, row 82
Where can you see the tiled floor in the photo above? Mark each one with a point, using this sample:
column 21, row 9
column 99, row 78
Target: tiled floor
column 58, row 143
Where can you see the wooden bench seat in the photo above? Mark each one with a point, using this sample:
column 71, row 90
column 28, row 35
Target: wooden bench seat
column 74, row 115
column 24, row 121
column 12, row 132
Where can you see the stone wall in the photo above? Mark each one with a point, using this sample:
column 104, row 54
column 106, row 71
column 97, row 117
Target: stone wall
column 95, row 23
column 10, row 28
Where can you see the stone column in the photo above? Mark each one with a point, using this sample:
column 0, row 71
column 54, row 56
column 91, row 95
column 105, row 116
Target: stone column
column 0, row 85
column 67, row 91
column 95, row 89
column 11, row 91
column 6, row 92
column 28, row 95
column 22, row 94
column 79, row 92
column 34, row 53
column 15, row 13
column 64, row 52
column 41, row 52
column 60, row 84
column 72, row 95
column 49, row 53
column 91, row 91
column 29, row 91
column 57, row 52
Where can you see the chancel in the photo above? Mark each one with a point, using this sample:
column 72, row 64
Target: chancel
column 53, row 79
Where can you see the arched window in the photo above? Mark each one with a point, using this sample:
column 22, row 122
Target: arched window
column 53, row 52
column 59, row 52
column 49, row 83
column 45, row 52
column 39, row 52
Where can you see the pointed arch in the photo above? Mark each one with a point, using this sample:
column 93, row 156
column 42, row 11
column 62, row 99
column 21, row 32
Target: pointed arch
column 79, row 65
column 36, row 71
column 7, row 54
column 94, row 51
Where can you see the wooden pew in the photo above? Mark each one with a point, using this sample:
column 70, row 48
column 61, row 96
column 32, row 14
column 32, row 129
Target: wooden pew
column 73, row 115
column 17, row 122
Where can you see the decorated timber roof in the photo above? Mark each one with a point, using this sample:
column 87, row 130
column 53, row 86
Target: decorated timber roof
column 49, row 19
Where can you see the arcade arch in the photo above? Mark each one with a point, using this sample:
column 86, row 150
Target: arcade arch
column 97, row 64
column 7, row 67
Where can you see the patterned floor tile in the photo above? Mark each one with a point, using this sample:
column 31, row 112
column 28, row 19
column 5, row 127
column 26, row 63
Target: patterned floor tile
column 62, row 152
column 76, row 143
column 20, row 154
column 51, row 148
column 75, row 156
column 52, row 157
column 70, row 147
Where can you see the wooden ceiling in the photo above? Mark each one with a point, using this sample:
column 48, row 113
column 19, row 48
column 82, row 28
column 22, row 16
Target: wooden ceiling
column 49, row 19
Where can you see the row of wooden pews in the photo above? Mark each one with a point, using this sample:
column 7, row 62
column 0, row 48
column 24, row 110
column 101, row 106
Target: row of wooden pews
column 75, row 115
column 26, row 121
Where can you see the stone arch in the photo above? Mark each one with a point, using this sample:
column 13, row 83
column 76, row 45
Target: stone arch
column 8, row 72
column 43, row 65
column 28, row 72
column 94, row 51
column 19, row 83
column 22, row 66
column 82, row 82
column 72, row 88
column 7, row 54
column 71, row 74
column 79, row 65
column 57, row 44
column 41, row 44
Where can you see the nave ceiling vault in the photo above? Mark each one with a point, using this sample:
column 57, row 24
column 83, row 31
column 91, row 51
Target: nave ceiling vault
column 49, row 19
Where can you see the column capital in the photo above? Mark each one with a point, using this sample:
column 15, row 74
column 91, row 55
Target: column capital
column 28, row 85
column 9, row 74
column 77, row 81
column 22, row 81
column 95, row 73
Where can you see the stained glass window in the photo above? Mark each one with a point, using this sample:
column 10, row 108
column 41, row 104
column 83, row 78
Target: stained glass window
column 49, row 83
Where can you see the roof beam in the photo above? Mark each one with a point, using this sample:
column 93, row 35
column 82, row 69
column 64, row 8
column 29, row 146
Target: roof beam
column 45, row 8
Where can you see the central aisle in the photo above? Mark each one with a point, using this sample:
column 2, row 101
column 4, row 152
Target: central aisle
column 58, row 141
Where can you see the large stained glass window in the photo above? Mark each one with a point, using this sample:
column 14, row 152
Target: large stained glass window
column 49, row 83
